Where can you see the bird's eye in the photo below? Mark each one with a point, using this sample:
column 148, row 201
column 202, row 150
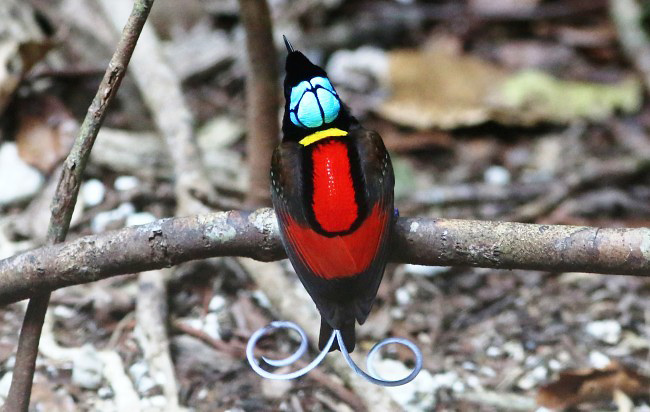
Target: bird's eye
column 313, row 103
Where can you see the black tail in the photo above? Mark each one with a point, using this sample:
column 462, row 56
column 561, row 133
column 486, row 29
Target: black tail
column 349, row 337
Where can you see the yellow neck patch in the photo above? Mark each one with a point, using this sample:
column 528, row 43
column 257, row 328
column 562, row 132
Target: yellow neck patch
column 314, row 137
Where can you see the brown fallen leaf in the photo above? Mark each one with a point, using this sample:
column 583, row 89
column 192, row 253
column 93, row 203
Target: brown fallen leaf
column 46, row 131
column 588, row 385
column 435, row 88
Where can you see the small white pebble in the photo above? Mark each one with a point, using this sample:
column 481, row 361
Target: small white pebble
column 103, row 219
column 424, row 338
column 473, row 382
column 540, row 372
column 608, row 331
column 487, row 371
column 555, row 365
column 496, row 175
column 145, row 384
column 531, row 361
column 138, row 370
column 92, row 192
column 158, row 402
column 123, row 183
column 564, row 357
column 467, row 365
column 217, row 303
column 493, row 352
column 104, row 392
column 397, row 313
column 402, row 296
column 211, row 325
column 425, row 271
column 598, row 359
column 63, row 312
column 533, row 378
column 140, row 218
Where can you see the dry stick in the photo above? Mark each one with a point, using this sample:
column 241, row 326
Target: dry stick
column 425, row 241
column 151, row 332
column 64, row 201
column 594, row 172
column 479, row 193
column 627, row 16
column 262, row 99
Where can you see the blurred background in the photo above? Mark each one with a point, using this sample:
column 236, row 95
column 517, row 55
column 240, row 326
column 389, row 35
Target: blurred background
column 528, row 111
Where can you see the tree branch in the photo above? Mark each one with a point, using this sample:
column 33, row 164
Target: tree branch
column 64, row 201
column 425, row 241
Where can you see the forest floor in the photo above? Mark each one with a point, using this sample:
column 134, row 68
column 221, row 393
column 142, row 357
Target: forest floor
column 528, row 111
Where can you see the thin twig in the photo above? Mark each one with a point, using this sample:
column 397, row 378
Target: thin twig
column 151, row 332
column 64, row 201
column 424, row 241
column 262, row 97
column 592, row 173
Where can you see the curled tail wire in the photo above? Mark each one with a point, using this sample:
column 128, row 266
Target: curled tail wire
column 335, row 335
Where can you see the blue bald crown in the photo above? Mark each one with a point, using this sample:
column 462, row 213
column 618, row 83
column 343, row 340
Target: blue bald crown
column 313, row 103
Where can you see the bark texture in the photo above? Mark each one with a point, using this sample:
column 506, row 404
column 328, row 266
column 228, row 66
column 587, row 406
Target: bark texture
column 424, row 241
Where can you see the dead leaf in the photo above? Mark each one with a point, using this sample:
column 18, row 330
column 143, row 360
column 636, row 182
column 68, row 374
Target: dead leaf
column 588, row 385
column 46, row 131
column 434, row 88
column 438, row 89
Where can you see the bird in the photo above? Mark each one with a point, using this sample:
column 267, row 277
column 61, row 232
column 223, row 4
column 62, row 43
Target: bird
column 332, row 186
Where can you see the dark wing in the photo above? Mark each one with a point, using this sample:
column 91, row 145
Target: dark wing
column 379, row 182
column 287, row 194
